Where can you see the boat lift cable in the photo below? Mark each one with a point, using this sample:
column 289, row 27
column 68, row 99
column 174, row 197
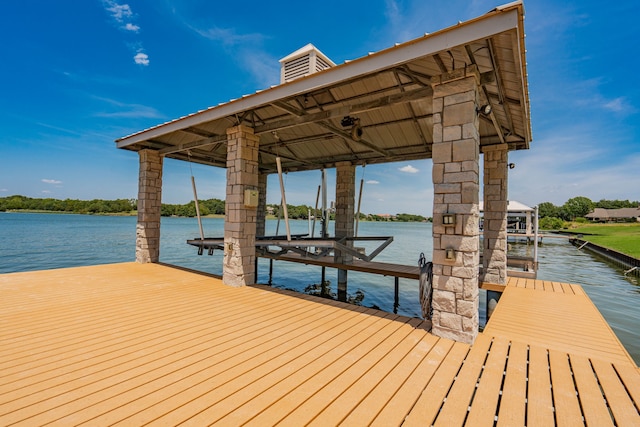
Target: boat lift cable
column 195, row 197
column 359, row 200
column 282, row 192
column 315, row 212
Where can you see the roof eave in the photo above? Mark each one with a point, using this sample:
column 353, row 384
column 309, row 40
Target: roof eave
column 497, row 21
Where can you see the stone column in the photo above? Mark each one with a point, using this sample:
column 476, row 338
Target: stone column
column 261, row 213
column 149, row 207
column 345, row 214
column 240, row 218
column 494, row 251
column 456, row 191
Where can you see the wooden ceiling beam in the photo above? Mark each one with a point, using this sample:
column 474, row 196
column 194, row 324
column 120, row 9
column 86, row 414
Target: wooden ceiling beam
column 193, row 144
column 301, row 118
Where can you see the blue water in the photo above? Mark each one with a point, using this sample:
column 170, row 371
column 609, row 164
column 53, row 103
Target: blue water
column 46, row 241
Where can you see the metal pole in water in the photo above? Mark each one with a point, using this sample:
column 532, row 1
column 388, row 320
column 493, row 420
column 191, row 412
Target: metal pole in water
column 195, row 197
column 315, row 212
column 284, row 199
column 535, row 238
column 359, row 202
column 323, row 223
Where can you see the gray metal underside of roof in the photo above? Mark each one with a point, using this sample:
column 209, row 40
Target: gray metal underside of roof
column 393, row 104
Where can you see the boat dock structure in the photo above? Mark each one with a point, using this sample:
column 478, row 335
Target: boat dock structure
column 147, row 343
column 137, row 344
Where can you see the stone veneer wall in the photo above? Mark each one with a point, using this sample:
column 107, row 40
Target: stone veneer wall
column 456, row 190
column 494, row 255
column 261, row 213
column 240, row 221
column 149, row 207
column 345, row 214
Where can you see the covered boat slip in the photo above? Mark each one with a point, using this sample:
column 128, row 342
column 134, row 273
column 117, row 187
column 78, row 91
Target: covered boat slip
column 457, row 96
column 130, row 344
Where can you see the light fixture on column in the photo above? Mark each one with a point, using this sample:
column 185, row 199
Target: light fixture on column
column 448, row 219
column 485, row 110
column 512, row 165
column 450, row 254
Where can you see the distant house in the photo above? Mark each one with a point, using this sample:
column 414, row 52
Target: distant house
column 614, row 215
column 519, row 217
column 387, row 216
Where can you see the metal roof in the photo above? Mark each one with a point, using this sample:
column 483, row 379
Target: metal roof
column 512, row 206
column 390, row 92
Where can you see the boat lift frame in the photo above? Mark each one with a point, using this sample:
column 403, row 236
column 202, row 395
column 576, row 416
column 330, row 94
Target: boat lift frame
column 301, row 244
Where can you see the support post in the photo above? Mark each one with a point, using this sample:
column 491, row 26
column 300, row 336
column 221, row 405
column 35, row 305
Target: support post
column 149, row 207
column 345, row 202
column 261, row 212
column 240, row 216
column 494, row 254
column 455, row 173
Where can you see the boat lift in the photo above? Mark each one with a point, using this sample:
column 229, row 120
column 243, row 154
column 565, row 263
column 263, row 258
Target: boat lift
column 276, row 246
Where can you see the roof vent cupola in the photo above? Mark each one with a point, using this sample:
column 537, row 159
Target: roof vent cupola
column 303, row 62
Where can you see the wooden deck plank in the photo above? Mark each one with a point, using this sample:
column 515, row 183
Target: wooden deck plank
column 327, row 391
column 630, row 377
column 624, row 411
column 564, row 322
column 514, row 392
column 351, row 397
column 485, row 401
column 240, row 366
column 263, row 398
column 454, row 410
column 131, row 344
column 407, row 397
column 540, row 404
column 592, row 401
column 430, row 401
column 400, row 333
column 400, row 382
column 565, row 398
column 310, row 381
column 90, row 356
column 217, row 395
column 156, row 374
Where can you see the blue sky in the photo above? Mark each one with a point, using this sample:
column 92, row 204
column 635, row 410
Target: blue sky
column 76, row 75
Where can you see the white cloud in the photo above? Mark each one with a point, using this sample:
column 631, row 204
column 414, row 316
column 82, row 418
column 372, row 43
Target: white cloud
column 408, row 169
column 617, row 105
column 51, row 181
column 229, row 36
column 373, row 181
column 141, row 58
column 118, row 11
column 46, row 191
column 128, row 110
column 3, row 190
column 131, row 27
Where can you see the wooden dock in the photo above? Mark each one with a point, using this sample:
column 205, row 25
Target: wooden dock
column 396, row 270
column 131, row 344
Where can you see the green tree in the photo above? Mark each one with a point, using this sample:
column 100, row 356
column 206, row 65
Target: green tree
column 547, row 209
column 577, row 207
column 551, row 223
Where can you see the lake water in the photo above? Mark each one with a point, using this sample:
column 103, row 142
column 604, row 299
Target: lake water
column 45, row 241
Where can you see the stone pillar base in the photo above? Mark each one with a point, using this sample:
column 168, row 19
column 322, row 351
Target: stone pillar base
column 149, row 207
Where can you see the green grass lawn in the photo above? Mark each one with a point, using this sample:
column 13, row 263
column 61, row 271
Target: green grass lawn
column 623, row 238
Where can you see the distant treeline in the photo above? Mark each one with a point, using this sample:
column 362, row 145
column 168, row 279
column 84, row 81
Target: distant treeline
column 68, row 205
column 125, row 206
column 575, row 209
